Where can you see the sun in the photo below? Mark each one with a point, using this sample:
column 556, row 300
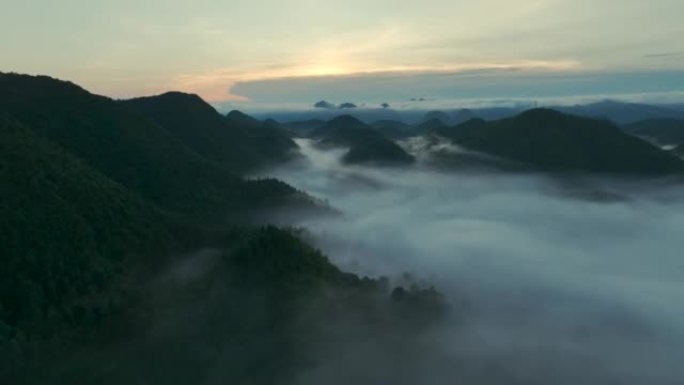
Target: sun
column 324, row 70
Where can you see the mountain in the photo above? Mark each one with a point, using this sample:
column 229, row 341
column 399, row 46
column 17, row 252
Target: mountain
column 366, row 145
column 274, row 143
column 552, row 140
column 393, row 129
column 437, row 115
column 463, row 115
column 237, row 141
column 248, row 315
column 363, row 113
column 131, row 148
column 347, row 105
column 621, row 112
column 118, row 262
column 302, row 128
column 431, row 125
column 269, row 138
column 662, row 132
column 67, row 232
column 465, row 129
column 679, row 150
column 239, row 118
column 116, row 141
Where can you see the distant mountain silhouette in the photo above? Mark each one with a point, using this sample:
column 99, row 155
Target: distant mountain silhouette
column 393, row 129
column 659, row 131
column 459, row 131
column 240, row 118
column 269, row 139
column 437, row 115
column 621, row 112
column 347, row 105
column 324, row 104
column 431, row 125
column 365, row 143
column 552, row 140
column 463, row 115
column 302, row 128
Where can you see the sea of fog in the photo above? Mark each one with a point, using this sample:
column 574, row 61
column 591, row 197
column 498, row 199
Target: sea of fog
column 547, row 284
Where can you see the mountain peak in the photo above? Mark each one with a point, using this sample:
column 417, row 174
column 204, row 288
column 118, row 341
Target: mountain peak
column 240, row 117
column 553, row 140
column 541, row 113
column 39, row 87
column 174, row 101
column 179, row 95
column 346, row 120
column 431, row 124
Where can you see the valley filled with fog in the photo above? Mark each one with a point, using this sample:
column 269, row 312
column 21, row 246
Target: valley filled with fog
column 563, row 280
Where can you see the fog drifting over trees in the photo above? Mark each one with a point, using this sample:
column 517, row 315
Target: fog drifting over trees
column 550, row 279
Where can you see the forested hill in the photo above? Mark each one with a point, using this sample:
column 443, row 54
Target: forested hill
column 240, row 145
column 65, row 230
column 150, row 159
column 551, row 140
column 365, row 143
column 99, row 200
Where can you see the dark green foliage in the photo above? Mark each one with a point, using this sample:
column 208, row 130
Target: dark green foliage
column 659, row 131
column 275, row 257
column 200, row 127
column 131, row 149
column 552, row 140
column 79, row 179
column 679, row 151
column 120, row 144
column 258, row 313
column 238, row 142
column 272, row 141
column 65, row 231
column 97, row 199
column 365, row 144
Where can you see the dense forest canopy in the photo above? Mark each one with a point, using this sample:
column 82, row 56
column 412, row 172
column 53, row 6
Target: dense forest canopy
column 99, row 198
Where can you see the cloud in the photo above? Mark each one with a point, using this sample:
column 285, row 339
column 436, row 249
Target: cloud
column 547, row 286
column 479, row 84
column 211, row 47
column 664, row 55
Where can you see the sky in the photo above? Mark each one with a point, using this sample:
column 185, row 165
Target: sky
column 279, row 52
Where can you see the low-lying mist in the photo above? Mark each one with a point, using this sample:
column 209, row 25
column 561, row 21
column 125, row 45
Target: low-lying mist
column 548, row 283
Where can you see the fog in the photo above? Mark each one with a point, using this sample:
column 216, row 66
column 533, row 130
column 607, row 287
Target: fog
column 548, row 284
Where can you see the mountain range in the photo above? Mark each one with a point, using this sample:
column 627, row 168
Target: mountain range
column 134, row 228
column 617, row 111
column 365, row 143
column 541, row 139
column 99, row 198
column 551, row 140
